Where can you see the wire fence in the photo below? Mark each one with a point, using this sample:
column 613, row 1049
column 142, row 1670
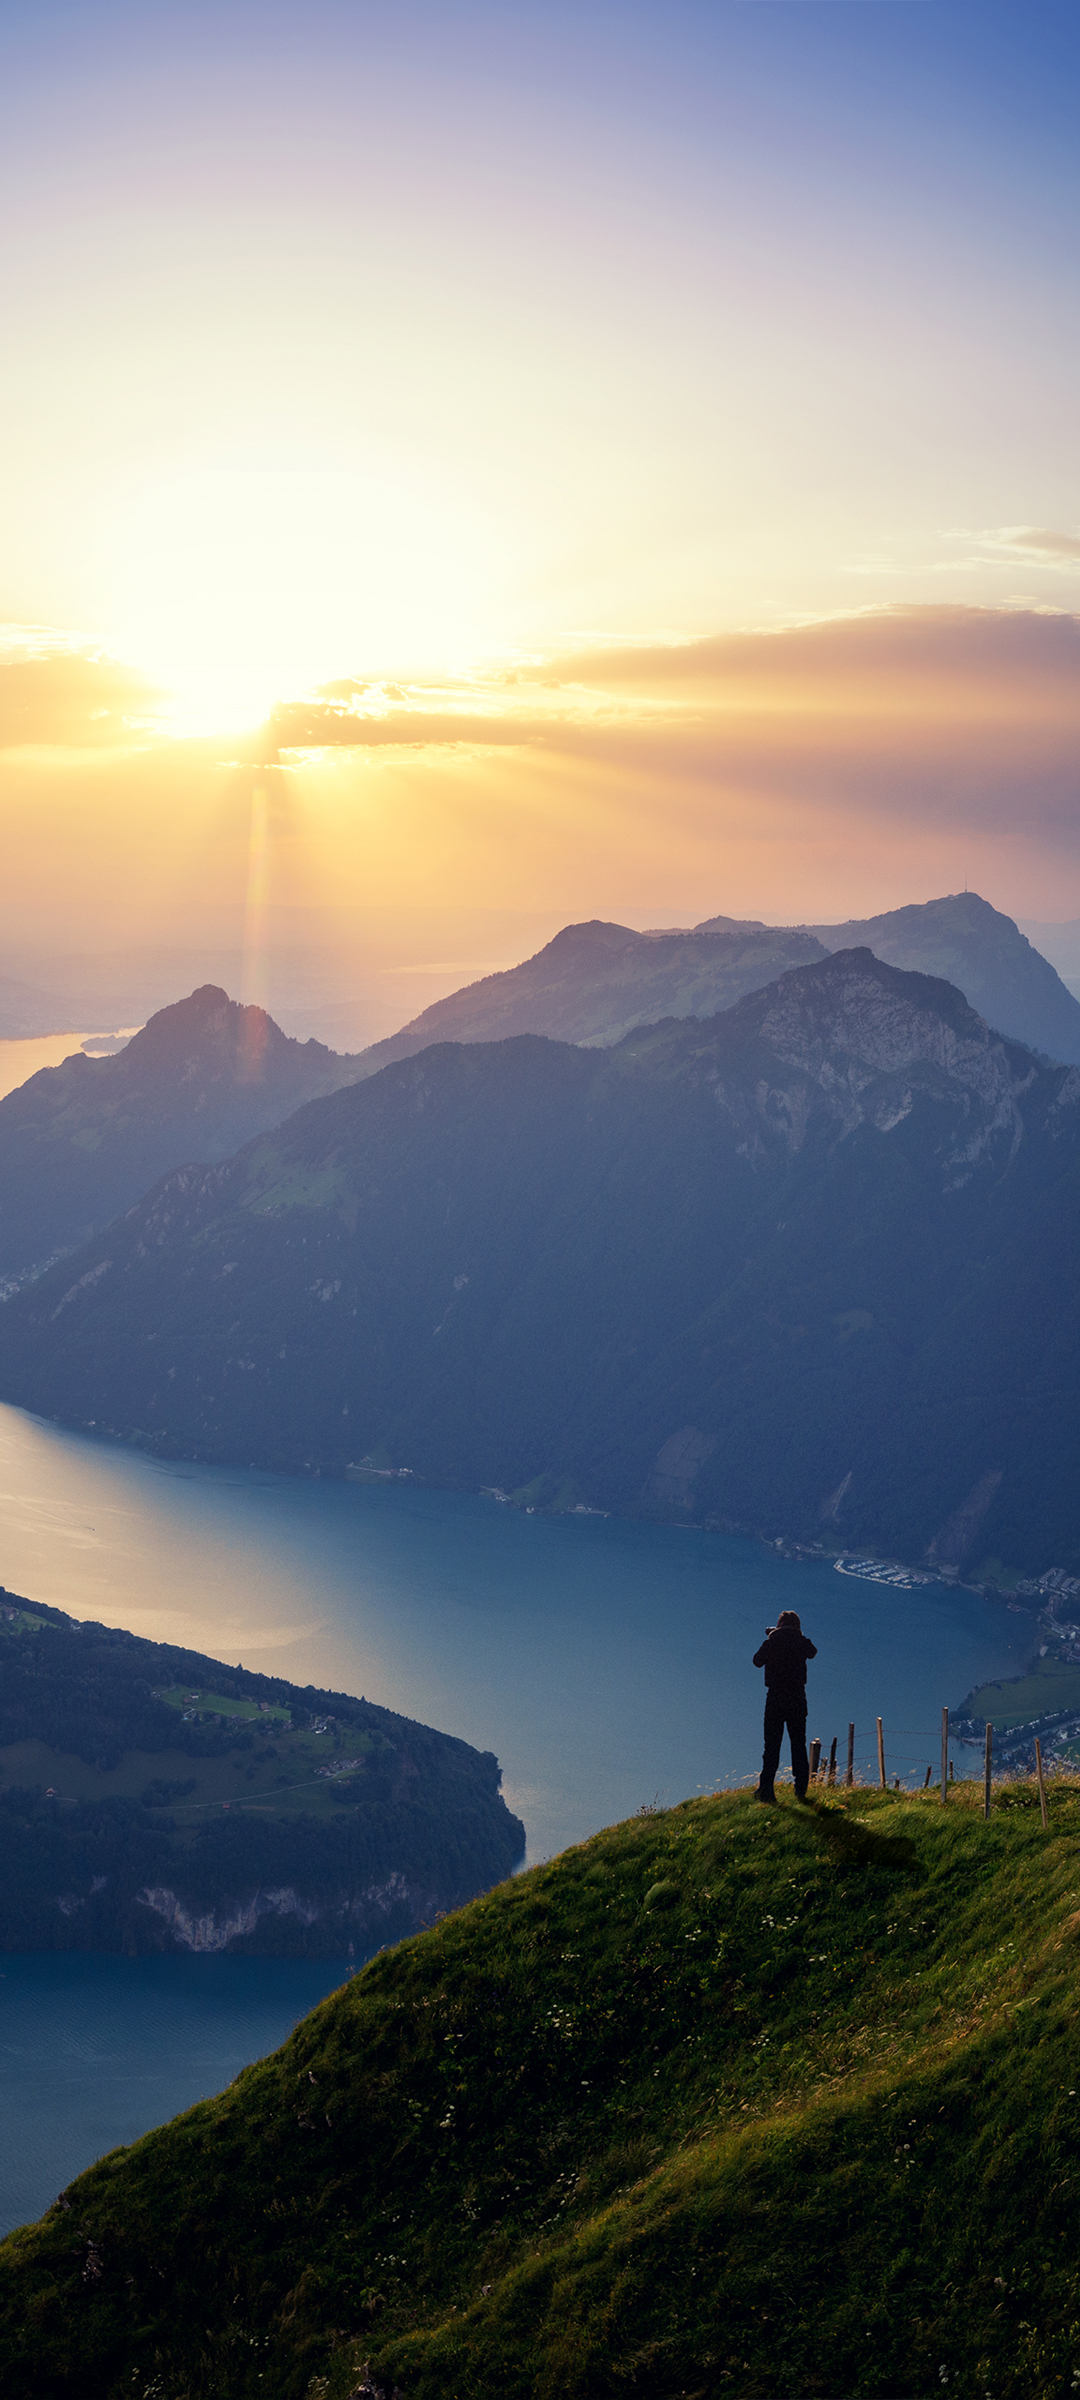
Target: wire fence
column 891, row 1768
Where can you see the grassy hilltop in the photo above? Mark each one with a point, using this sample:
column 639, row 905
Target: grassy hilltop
column 728, row 2100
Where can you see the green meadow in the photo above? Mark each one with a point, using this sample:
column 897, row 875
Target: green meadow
column 729, row 2100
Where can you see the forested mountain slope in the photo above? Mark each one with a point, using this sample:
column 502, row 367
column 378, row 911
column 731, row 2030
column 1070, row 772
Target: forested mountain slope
column 80, row 1142
column 810, row 1265
column 152, row 1799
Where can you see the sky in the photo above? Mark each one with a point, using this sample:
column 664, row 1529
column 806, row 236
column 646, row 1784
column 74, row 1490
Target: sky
column 471, row 468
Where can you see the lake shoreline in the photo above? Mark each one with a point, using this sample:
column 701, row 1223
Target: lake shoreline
column 788, row 1547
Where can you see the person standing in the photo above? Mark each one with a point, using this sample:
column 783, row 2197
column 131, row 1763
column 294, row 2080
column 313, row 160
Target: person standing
column 783, row 1654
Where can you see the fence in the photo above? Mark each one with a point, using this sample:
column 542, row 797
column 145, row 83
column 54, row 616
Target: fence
column 886, row 1761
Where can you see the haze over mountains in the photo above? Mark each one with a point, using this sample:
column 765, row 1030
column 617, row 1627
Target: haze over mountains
column 81, row 1141
column 807, row 1266
column 595, row 981
column 984, row 953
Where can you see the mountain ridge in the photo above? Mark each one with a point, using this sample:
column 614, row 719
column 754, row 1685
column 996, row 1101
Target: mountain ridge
column 82, row 1141
column 726, row 1269
column 593, row 982
column 985, row 954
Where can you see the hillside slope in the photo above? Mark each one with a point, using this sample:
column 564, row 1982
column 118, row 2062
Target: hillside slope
column 82, row 1141
column 810, row 1267
column 594, row 982
column 727, row 2101
column 155, row 1800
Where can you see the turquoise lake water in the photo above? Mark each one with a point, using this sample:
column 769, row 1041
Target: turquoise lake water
column 606, row 1663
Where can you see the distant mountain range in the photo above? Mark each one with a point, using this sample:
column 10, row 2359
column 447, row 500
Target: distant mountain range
column 984, row 953
column 807, row 1266
column 595, row 981
column 82, row 1141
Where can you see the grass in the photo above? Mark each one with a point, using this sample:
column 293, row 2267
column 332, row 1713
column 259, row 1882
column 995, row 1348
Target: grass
column 280, row 1775
column 729, row 2100
column 1051, row 1684
column 216, row 1704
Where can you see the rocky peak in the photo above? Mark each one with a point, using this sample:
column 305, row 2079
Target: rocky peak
column 852, row 1010
column 866, row 1033
column 211, row 1033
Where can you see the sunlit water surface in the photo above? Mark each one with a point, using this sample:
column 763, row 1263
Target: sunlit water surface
column 606, row 1663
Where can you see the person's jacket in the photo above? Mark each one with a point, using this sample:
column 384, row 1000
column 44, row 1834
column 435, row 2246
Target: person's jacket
column 783, row 1655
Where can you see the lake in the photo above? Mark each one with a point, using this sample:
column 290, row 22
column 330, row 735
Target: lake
column 606, row 1663
column 93, row 2051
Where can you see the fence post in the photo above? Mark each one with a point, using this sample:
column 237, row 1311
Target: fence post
column 1039, row 1773
column 986, row 1770
column 831, row 1779
column 850, row 1756
column 881, row 1755
column 815, row 1755
column 944, row 1756
column 926, row 1784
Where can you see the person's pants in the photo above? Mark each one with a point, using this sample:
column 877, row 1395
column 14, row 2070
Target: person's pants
column 782, row 1710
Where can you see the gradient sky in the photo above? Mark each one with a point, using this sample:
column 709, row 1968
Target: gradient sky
column 408, row 350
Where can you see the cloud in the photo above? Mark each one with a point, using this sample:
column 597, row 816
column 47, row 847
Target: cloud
column 874, row 652
column 785, row 687
column 915, row 716
column 311, row 725
column 60, row 698
column 943, row 733
column 1055, row 545
column 822, row 770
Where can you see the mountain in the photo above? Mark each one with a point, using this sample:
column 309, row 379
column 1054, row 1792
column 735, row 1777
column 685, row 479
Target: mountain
column 80, row 1142
column 808, row 1267
column 970, row 944
column 728, row 2100
column 155, row 1800
column 594, row 982
column 1059, row 941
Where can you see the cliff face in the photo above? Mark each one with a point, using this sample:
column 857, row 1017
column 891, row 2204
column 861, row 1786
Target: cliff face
column 828, row 1235
column 379, row 1912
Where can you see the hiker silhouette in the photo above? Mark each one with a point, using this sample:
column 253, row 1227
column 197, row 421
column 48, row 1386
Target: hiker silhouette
column 783, row 1654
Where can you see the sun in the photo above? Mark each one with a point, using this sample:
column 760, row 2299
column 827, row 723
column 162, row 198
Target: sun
column 238, row 587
